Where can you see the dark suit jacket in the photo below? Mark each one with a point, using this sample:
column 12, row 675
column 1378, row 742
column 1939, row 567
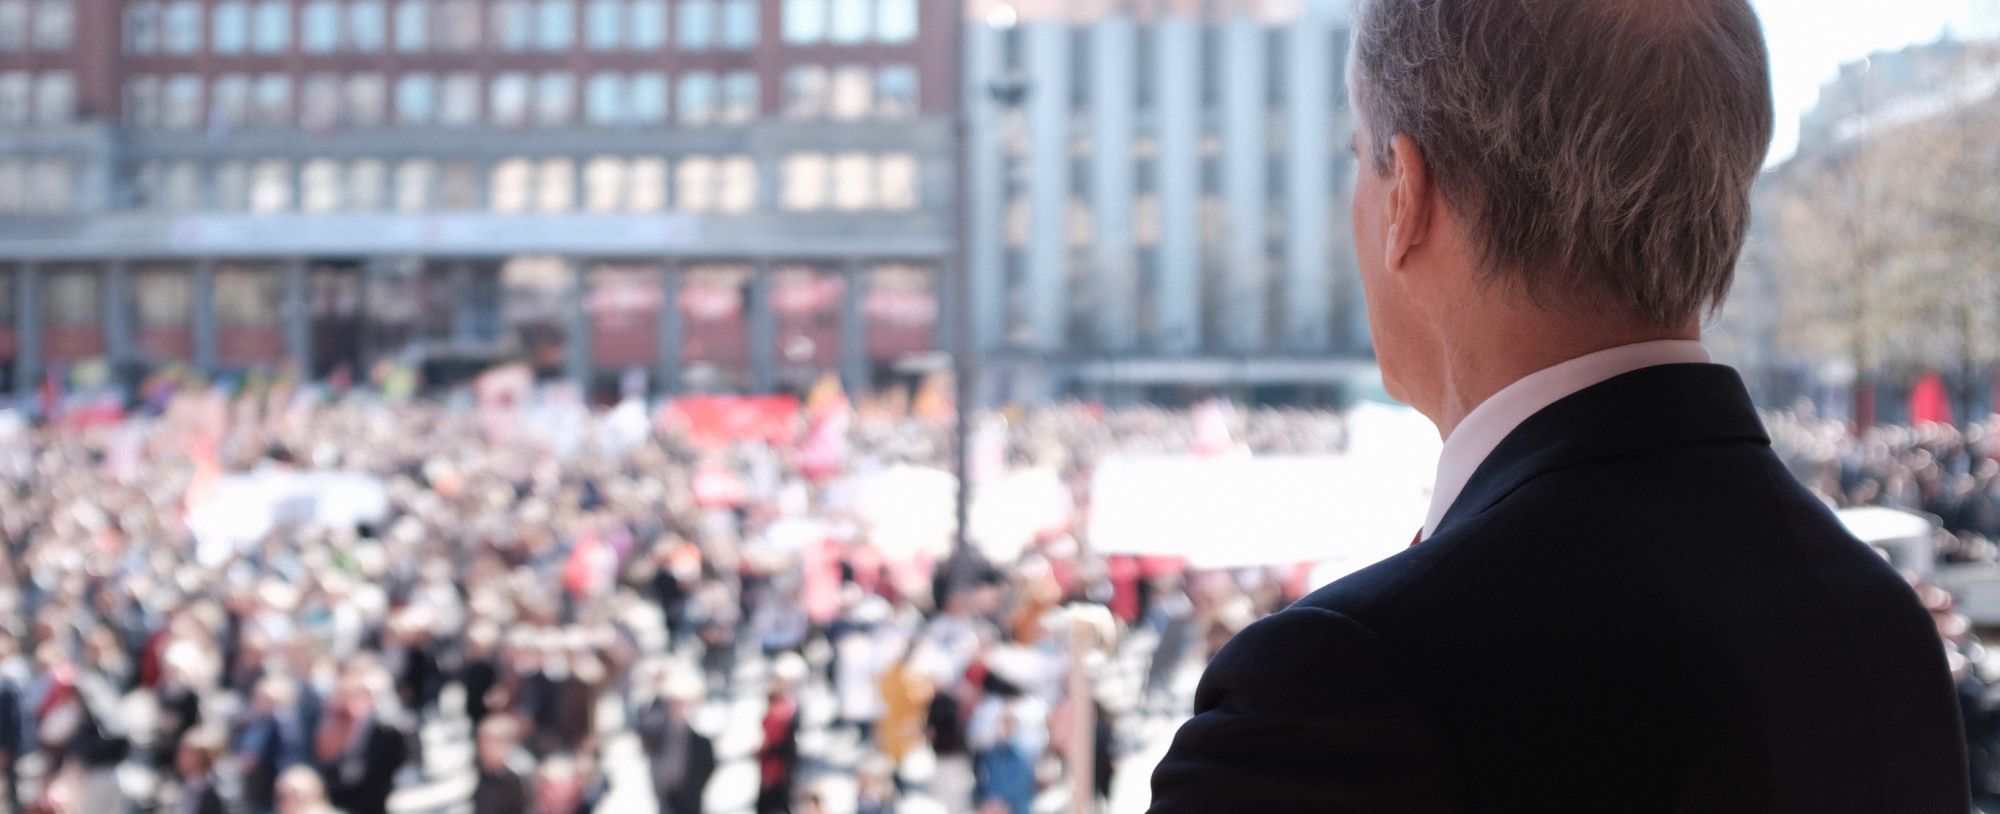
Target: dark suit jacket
column 1631, row 607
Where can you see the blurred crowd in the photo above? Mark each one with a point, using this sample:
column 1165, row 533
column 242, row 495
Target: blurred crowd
column 193, row 618
column 190, row 623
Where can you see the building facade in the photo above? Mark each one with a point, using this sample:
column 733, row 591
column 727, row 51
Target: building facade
column 1159, row 199
column 728, row 195
column 734, row 195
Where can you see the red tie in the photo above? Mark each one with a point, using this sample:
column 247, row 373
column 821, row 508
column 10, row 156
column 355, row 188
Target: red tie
column 1417, row 539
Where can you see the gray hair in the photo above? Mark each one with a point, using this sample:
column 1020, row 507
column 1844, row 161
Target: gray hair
column 1603, row 150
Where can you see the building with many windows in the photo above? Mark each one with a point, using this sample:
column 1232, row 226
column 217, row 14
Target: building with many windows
column 736, row 195
column 726, row 194
column 1159, row 199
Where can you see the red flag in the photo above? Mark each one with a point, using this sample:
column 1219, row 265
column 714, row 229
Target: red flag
column 1929, row 404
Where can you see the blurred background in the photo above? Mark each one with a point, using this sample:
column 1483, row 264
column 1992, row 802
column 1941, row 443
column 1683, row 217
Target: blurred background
column 805, row 405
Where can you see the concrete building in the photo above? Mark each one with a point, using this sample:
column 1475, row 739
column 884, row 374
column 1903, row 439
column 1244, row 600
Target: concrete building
column 730, row 195
column 726, row 194
column 1159, row 199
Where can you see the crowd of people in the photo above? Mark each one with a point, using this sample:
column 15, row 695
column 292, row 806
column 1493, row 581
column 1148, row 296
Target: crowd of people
column 200, row 618
column 193, row 619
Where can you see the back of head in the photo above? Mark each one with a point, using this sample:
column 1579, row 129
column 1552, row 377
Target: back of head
column 1603, row 150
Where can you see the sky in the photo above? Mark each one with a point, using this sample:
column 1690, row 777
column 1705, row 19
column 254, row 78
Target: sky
column 1810, row 39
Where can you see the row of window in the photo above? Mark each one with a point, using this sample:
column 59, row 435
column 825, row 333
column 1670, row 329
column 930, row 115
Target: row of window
column 44, row 99
column 327, row 100
column 848, row 182
column 366, row 26
column 43, row 25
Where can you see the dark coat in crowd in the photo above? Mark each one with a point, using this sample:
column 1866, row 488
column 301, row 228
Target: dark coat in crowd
column 1632, row 606
column 501, row 792
column 361, row 779
column 680, row 775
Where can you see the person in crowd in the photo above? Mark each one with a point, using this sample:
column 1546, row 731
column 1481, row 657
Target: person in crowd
column 1008, row 734
column 503, row 779
column 680, row 758
column 778, row 756
column 195, row 763
column 300, row 791
column 271, row 738
column 358, row 749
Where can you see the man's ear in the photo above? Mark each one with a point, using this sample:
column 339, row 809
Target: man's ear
column 1410, row 199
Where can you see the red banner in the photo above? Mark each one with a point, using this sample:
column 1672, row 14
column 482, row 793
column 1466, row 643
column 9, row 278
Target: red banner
column 724, row 420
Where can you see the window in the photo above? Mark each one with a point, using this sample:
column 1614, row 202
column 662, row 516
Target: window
column 458, row 185
column 55, row 98
column 458, row 25
column 270, row 186
column 229, row 100
column 853, row 182
column 556, row 28
column 142, row 26
column 459, row 102
column 414, row 181
column 229, row 27
column 367, row 100
column 739, row 25
column 513, row 24
column 319, row 101
column 232, row 186
column 180, row 30
column 366, row 181
column 14, row 33
column 274, row 101
column 694, row 183
column 416, row 99
column 603, row 100
column 180, row 102
column 180, row 186
column 142, row 101
column 367, row 24
column 806, row 92
column 508, row 106
column 555, row 185
column 896, row 21
column 697, row 99
column 413, row 26
column 16, row 90
column 805, row 21
column 604, row 184
column 320, row 186
column 649, row 25
column 603, row 25
column 740, row 95
column 319, row 31
column 273, row 32
column 805, row 182
column 13, row 189
column 646, row 185
column 850, row 23
column 696, row 24
column 853, row 95
column 55, row 24
column 897, row 175
column 508, row 191
column 896, row 91
column 649, row 98
column 739, row 185
column 555, row 99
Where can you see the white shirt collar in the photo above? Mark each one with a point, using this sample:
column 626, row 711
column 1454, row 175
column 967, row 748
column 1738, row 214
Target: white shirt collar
column 1491, row 422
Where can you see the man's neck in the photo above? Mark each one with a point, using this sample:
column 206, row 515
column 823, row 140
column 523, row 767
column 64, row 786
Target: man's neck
column 1480, row 363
